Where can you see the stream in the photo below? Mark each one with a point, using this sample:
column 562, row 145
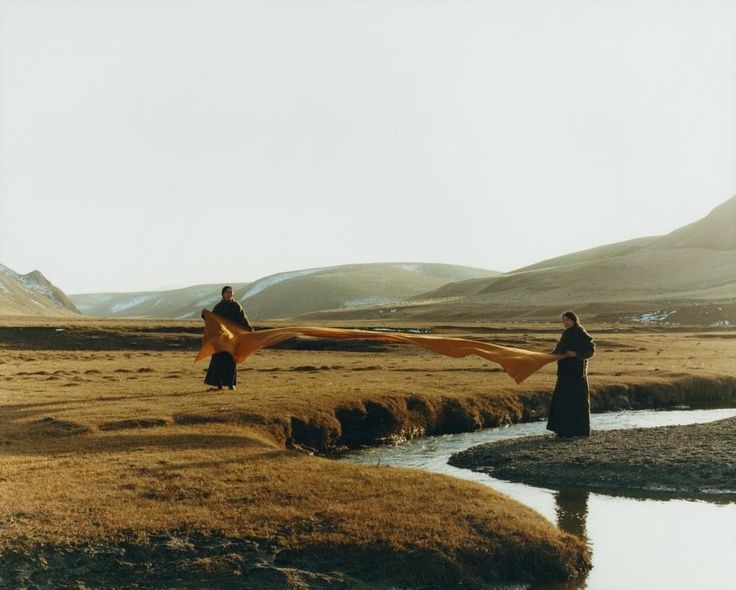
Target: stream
column 637, row 542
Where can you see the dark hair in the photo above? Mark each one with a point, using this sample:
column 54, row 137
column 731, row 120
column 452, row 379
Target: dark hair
column 572, row 316
column 225, row 288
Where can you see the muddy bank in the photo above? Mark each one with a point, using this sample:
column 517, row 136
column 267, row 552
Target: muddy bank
column 391, row 420
column 190, row 560
column 172, row 560
column 690, row 461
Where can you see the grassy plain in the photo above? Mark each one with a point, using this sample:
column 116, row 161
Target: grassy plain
column 113, row 449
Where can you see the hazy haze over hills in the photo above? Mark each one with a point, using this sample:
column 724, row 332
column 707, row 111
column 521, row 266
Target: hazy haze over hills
column 288, row 294
column 694, row 263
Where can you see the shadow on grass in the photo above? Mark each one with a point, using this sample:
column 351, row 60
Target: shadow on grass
column 33, row 442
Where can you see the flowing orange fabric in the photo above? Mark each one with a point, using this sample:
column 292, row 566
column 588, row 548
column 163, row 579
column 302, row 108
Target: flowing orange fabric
column 221, row 335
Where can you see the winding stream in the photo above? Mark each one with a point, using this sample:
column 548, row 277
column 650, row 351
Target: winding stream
column 637, row 543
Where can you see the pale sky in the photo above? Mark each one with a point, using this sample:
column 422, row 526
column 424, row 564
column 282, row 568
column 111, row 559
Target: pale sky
column 164, row 143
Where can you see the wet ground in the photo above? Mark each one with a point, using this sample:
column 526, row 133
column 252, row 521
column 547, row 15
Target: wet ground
column 638, row 539
column 694, row 460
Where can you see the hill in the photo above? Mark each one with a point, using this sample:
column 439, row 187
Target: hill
column 648, row 277
column 176, row 303
column 31, row 294
column 288, row 294
column 690, row 266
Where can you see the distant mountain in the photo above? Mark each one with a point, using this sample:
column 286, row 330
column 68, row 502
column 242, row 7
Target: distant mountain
column 31, row 294
column 689, row 266
column 695, row 262
column 288, row 294
column 177, row 303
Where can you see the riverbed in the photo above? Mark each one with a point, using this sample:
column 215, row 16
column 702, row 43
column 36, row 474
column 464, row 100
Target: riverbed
column 647, row 542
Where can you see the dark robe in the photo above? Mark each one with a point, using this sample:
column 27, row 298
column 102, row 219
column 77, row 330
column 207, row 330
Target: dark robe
column 222, row 371
column 569, row 412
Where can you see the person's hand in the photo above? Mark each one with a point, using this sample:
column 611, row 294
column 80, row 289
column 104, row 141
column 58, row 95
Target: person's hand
column 571, row 354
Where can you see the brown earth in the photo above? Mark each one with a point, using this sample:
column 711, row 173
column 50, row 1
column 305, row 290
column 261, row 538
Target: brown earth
column 112, row 447
column 692, row 461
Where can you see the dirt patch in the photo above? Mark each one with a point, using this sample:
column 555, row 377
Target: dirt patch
column 133, row 423
column 188, row 560
column 172, row 560
column 98, row 338
column 51, row 426
column 693, row 461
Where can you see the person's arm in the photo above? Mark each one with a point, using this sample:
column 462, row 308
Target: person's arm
column 587, row 350
column 584, row 348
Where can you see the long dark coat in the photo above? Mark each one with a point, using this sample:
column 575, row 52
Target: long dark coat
column 569, row 412
column 222, row 371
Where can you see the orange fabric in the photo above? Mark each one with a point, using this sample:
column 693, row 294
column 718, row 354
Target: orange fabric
column 221, row 335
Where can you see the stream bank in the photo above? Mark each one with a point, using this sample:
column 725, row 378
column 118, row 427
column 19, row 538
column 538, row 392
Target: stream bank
column 389, row 420
column 698, row 460
column 637, row 539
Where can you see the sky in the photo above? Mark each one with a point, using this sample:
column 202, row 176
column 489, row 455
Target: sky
column 157, row 144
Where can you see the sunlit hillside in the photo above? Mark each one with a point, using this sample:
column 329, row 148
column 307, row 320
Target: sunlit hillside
column 693, row 263
column 31, row 294
column 288, row 294
column 649, row 277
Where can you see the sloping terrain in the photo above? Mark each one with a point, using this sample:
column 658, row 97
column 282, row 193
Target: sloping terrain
column 693, row 263
column 715, row 232
column 648, row 277
column 287, row 294
column 177, row 303
column 31, row 294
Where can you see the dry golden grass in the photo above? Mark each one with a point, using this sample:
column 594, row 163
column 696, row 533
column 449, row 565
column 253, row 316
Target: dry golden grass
column 102, row 445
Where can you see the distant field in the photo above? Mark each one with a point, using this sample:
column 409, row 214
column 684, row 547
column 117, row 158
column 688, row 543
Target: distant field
column 110, row 439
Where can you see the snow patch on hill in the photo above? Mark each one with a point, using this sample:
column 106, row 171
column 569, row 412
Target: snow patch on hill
column 28, row 282
column 274, row 279
column 186, row 316
column 91, row 303
column 123, row 305
column 372, row 300
column 651, row 317
column 207, row 301
column 35, row 287
column 412, row 267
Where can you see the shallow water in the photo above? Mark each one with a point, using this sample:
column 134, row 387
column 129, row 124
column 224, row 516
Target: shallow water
column 636, row 543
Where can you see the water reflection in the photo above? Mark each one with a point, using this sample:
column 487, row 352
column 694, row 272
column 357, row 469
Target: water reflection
column 650, row 542
column 571, row 508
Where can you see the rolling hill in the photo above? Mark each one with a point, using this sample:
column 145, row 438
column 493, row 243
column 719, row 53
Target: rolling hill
column 288, row 294
column 31, row 294
column 689, row 266
column 651, row 276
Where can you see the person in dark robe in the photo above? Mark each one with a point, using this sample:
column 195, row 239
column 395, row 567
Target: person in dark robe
column 569, row 412
column 222, row 371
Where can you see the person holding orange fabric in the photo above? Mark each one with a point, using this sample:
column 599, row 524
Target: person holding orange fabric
column 569, row 412
column 222, row 370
